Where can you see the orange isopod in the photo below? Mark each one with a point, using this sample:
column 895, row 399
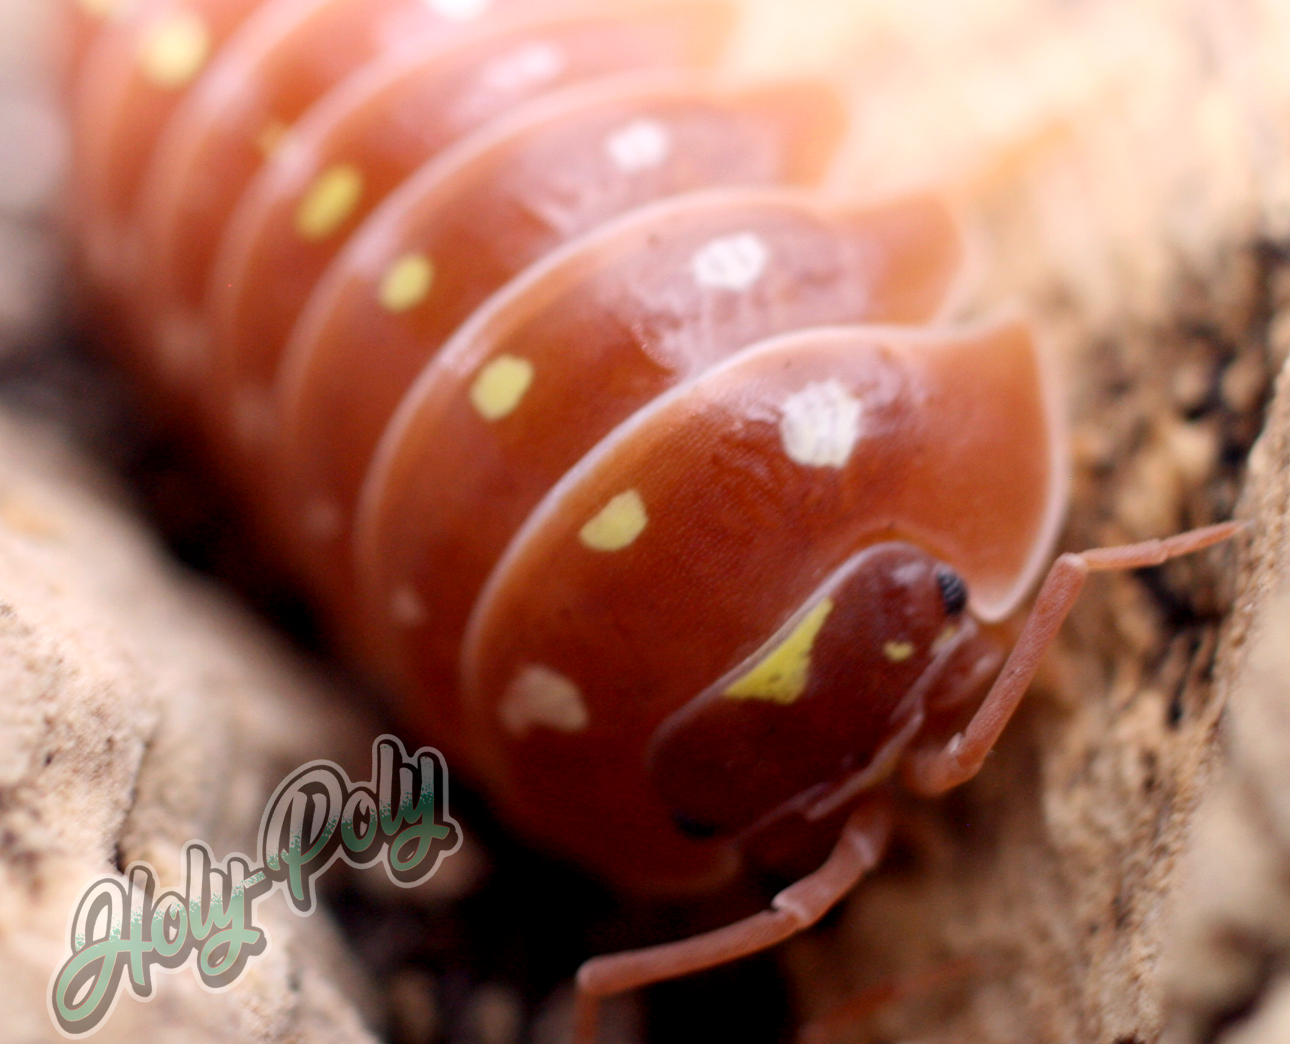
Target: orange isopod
column 663, row 490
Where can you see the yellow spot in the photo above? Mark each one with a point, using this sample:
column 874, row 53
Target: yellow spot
column 500, row 386
column 406, row 283
column 541, row 696
column 782, row 674
column 330, row 200
column 270, row 137
column 898, row 652
column 617, row 524
column 174, row 49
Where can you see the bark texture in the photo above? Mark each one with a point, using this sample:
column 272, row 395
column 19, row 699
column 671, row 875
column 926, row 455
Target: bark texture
column 139, row 707
column 139, row 711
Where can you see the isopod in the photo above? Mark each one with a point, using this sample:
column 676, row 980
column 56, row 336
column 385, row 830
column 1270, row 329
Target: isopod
column 660, row 486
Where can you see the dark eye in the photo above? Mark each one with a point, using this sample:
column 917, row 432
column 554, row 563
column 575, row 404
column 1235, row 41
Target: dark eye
column 693, row 828
column 954, row 592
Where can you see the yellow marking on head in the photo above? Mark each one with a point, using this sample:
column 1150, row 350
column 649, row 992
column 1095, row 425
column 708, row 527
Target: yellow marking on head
column 500, row 386
column 406, row 282
column 898, row 652
column 617, row 524
column 541, row 696
column 271, row 137
column 174, row 49
column 782, row 674
column 329, row 201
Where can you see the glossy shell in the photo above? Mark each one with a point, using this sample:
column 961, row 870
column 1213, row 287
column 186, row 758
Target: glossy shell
column 747, row 486
column 648, row 478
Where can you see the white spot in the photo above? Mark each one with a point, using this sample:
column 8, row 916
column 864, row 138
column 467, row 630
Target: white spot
column 406, row 607
column 459, row 10
column 909, row 574
column 322, row 519
column 541, row 696
column 730, row 262
column 532, row 64
column 820, row 425
column 641, row 145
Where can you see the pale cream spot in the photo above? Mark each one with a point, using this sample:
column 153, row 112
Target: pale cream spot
column 459, row 10
column 253, row 417
column 730, row 262
column 641, row 145
column 406, row 607
column 541, row 696
column 528, row 66
column 271, row 137
column 329, row 202
column 174, row 49
column 406, row 282
column 322, row 519
column 617, row 524
column 898, row 652
column 500, row 386
column 820, row 425
column 782, row 674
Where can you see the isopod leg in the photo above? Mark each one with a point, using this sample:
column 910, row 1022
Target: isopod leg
column 797, row 907
column 935, row 771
